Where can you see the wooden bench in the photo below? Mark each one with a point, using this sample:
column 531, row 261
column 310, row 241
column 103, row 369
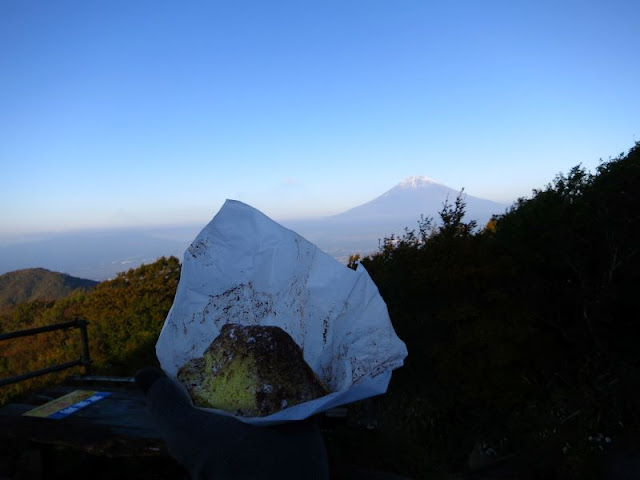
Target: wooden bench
column 118, row 426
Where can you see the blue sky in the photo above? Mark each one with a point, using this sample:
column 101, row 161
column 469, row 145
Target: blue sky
column 119, row 113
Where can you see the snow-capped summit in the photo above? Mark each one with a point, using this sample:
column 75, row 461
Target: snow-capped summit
column 360, row 228
column 415, row 196
column 416, row 182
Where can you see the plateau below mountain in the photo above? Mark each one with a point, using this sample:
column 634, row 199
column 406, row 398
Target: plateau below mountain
column 97, row 255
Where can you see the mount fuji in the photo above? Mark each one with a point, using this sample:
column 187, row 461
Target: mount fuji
column 359, row 229
column 419, row 195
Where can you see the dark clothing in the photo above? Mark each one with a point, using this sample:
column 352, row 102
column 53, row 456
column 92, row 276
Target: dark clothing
column 219, row 447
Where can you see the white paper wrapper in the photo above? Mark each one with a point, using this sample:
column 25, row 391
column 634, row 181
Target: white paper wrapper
column 245, row 268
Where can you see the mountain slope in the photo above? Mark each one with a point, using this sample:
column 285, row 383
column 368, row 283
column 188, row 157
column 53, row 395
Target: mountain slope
column 415, row 196
column 359, row 229
column 38, row 284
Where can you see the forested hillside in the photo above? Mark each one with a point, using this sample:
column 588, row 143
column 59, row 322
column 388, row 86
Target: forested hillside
column 522, row 334
column 125, row 317
column 32, row 284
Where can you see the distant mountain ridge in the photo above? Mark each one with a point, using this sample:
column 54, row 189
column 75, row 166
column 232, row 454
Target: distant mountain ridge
column 38, row 284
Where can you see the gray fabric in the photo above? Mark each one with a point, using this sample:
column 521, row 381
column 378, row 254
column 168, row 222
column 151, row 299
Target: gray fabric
column 217, row 447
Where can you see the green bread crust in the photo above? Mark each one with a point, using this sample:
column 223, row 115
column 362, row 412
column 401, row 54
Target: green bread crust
column 251, row 371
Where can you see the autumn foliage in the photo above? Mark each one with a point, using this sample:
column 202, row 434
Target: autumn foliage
column 125, row 316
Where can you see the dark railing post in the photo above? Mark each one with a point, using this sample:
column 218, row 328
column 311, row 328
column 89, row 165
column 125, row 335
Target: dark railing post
column 86, row 359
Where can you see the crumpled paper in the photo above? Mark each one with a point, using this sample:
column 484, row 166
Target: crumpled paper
column 245, row 268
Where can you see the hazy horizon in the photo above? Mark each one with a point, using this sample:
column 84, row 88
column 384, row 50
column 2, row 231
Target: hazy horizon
column 168, row 230
column 99, row 254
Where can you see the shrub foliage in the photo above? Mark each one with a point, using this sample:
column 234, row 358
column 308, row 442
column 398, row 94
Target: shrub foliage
column 524, row 333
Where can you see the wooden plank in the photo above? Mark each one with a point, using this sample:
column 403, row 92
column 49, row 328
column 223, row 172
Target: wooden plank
column 100, row 379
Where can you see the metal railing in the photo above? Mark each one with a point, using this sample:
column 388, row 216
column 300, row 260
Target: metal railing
column 84, row 360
